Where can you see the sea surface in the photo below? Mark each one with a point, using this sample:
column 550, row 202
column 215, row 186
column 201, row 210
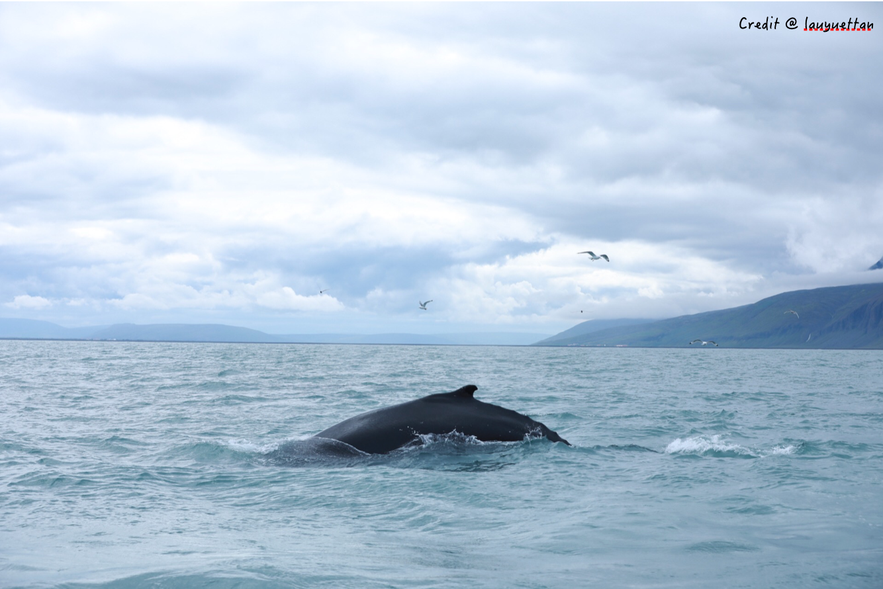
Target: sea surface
column 129, row 465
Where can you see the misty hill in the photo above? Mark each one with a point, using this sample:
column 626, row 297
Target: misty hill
column 461, row 339
column 833, row 317
column 182, row 332
column 173, row 332
column 33, row 329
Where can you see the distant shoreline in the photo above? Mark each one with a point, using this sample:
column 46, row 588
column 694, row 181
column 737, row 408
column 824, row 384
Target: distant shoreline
column 829, row 318
column 161, row 341
column 582, row 347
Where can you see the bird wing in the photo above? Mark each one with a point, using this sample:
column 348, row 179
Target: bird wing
column 605, row 257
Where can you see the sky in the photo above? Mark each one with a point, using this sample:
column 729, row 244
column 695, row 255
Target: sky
column 224, row 162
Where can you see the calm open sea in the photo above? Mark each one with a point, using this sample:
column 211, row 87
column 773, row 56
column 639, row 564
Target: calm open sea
column 153, row 465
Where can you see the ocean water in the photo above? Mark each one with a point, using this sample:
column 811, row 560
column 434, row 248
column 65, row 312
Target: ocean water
column 163, row 465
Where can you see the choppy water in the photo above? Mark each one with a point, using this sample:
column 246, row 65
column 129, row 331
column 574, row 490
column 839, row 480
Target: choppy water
column 158, row 465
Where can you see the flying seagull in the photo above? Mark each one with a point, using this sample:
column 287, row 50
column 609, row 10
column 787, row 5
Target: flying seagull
column 704, row 343
column 321, row 291
column 593, row 256
column 423, row 305
column 792, row 311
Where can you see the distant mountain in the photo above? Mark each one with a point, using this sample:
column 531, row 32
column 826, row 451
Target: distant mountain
column 590, row 326
column 878, row 265
column 33, row 329
column 461, row 339
column 834, row 317
column 183, row 332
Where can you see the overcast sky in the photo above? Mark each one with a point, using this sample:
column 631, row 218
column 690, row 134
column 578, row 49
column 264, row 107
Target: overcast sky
column 223, row 163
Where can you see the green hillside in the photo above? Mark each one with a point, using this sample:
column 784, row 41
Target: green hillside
column 836, row 317
column 590, row 326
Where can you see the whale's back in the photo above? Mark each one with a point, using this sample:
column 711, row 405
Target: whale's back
column 383, row 430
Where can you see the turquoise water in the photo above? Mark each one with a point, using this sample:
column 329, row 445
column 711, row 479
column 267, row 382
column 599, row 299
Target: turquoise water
column 158, row 465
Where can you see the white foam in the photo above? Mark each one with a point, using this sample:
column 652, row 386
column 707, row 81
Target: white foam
column 251, row 447
column 702, row 444
column 454, row 437
column 783, row 450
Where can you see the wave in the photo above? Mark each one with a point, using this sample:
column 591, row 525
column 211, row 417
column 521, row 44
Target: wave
column 234, row 399
column 432, row 450
column 721, row 547
column 313, row 451
column 718, row 447
column 184, row 580
column 204, row 452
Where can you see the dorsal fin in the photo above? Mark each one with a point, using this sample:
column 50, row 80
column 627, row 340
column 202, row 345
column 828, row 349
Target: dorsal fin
column 465, row 392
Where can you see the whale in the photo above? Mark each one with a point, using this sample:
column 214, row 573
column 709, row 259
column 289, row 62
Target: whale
column 389, row 428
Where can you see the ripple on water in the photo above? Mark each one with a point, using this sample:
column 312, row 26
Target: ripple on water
column 721, row 547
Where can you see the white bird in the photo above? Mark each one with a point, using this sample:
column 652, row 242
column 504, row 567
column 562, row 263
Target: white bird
column 704, row 343
column 593, row 256
column 792, row 311
column 423, row 305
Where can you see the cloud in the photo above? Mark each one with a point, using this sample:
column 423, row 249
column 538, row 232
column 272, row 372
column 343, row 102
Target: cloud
column 29, row 302
column 812, row 243
column 228, row 162
column 556, row 282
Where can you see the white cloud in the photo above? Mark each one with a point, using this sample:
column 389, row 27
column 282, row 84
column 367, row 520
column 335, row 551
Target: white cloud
column 137, row 302
column 834, row 235
column 267, row 292
column 231, row 161
column 29, row 302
